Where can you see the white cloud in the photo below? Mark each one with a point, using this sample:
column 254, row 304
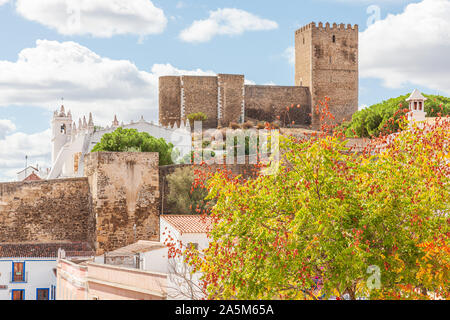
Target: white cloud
column 410, row 47
column 88, row 82
column 15, row 147
column 6, row 127
column 2, row 2
column 226, row 21
column 289, row 55
column 99, row 18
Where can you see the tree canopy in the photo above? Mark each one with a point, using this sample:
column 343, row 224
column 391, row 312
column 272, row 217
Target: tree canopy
column 384, row 117
column 331, row 223
column 131, row 140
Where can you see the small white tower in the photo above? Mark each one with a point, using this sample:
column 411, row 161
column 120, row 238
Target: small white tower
column 115, row 123
column 416, row 106
column 61, row 131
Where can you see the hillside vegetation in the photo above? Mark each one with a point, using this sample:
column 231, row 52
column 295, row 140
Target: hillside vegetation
column 382, row 117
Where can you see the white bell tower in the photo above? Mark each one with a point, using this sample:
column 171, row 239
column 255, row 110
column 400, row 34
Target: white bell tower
column 61, row 131
column 416, row 106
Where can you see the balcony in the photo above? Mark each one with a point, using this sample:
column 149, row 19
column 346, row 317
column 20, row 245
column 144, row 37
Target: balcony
column 18, row 278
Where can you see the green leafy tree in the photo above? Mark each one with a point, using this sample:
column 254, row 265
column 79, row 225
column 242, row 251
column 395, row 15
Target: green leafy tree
column 131, row 140
column 184, row 195
column 316, row 229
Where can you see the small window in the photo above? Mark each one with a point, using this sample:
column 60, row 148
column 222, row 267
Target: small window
column 63, row 128
column 303, row 40
column 18, row 274
column 334, row 39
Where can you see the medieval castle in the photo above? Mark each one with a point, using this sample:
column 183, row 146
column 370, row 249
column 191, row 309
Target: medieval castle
column 326, row 65
column 110, row 200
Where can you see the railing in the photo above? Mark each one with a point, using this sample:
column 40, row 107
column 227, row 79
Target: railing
column 23, row 278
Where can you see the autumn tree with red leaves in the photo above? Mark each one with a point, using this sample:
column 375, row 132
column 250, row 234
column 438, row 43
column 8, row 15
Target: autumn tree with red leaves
column 319, row 227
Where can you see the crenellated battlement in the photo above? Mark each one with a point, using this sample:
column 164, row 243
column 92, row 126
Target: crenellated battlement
column 327, row 26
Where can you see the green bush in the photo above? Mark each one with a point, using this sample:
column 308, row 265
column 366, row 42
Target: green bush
column 183, row 196
column 131, row 140
column 199, row 116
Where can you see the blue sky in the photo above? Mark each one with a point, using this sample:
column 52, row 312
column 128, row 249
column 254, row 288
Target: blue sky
column 114, row 70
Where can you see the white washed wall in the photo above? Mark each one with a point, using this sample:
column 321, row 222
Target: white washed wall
column 39, row 275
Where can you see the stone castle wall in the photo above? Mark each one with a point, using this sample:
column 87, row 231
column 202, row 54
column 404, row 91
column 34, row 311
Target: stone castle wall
column 327, row 61
column 170, row 98
column 265, row 103
column 231, row 98
column 326, row 65
column 200, row 95
column 225, row 99
column 125, row 197
column 46, row 211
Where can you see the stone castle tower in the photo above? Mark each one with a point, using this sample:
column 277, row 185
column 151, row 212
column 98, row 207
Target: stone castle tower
column 326, row 61
column 326, row 65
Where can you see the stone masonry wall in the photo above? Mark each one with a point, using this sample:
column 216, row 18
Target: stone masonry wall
column 46, row 211
column 231, row 88
column 265, row 103
column 125, row 197
column 169, row 100
column 332, row 52
column 200, row 95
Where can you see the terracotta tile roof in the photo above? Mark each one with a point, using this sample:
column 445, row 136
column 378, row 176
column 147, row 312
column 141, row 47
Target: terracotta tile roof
column 189, row 223
column 45, row 250
column 32, row 177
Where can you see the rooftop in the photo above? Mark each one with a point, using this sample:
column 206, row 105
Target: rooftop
column 416, row 95
column 44, row 250
column 140, row 246
column 189, row 223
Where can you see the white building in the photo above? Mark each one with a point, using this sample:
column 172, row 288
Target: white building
column 184, row 231
column 28, row 270
column 416, row 107
column 154, row 256
column 70, row 143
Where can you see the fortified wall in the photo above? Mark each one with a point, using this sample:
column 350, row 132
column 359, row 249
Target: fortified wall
column 46, row 211
column 115, row 205
column 125, row 197
column 326, row 65
column 225, row 98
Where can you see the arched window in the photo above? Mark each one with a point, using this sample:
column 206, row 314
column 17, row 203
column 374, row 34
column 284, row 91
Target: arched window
column 63, row 129
column 334, row 39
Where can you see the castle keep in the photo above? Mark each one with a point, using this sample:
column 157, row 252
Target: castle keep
column 326, row 65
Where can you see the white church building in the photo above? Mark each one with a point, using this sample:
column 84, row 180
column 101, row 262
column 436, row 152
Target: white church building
column 70, row 143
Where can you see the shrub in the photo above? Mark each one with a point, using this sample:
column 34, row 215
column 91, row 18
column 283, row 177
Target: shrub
column 131, row 140
column 183, row 196
column 199, row 116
